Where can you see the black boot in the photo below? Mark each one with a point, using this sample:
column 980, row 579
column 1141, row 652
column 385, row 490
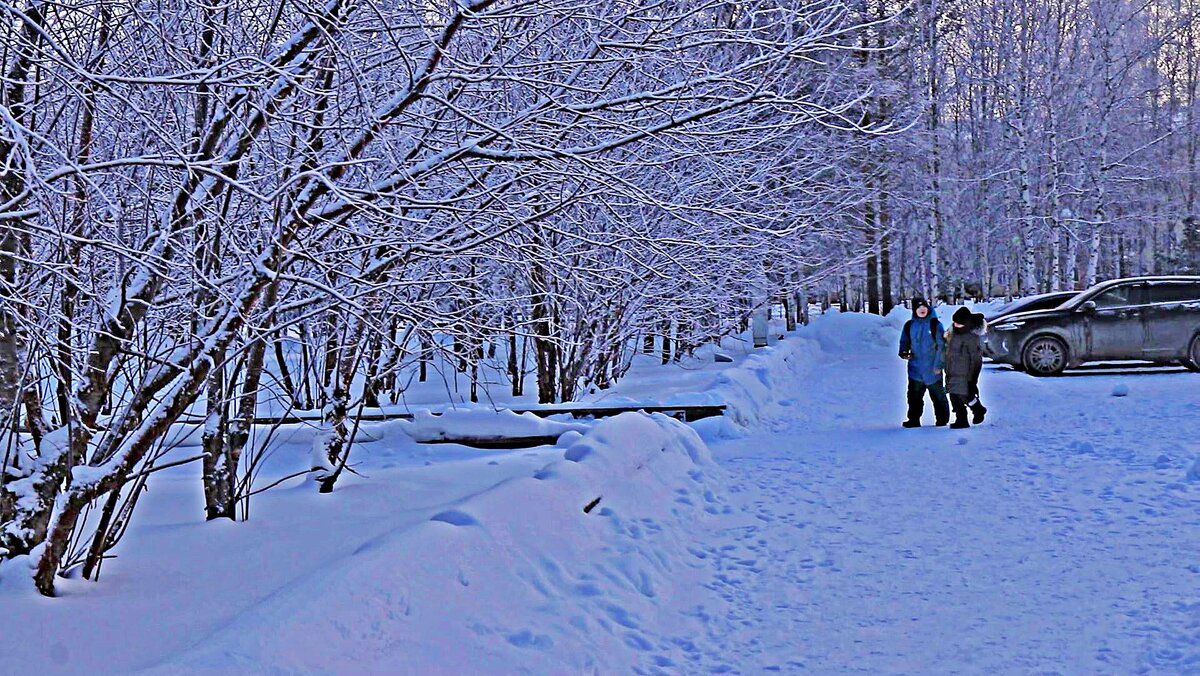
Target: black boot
column 959, row 404
column 916, row 403
column 978, row 411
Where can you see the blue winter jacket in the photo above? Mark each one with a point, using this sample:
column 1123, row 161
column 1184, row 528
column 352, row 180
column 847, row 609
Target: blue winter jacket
column 925, row 340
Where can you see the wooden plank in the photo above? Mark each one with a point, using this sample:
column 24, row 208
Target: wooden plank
column 687, row 413
column 496, row 442
column 684, row 412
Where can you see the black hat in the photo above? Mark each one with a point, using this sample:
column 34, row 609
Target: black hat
column 919, row 302
column 963, row 316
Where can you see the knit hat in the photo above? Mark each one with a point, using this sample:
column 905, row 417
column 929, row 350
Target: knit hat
column 963, row 316
column 919, row 302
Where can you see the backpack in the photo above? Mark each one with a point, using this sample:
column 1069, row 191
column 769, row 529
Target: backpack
column 933, row 329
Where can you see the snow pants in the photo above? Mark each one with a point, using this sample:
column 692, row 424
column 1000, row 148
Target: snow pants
column 937, row 395
column 959, row 403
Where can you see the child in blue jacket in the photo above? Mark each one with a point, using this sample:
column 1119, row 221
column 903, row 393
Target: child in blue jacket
column 923, row 344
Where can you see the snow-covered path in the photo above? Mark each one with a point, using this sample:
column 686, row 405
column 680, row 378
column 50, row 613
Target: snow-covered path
column 1058, row 537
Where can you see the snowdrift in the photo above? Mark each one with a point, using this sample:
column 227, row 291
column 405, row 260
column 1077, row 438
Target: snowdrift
column 438, row 559
column 577, row 565
column 857, row 332
column 517, row 577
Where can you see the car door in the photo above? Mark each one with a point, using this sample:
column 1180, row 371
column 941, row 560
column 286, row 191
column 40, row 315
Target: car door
column 1171, row 318
column 1115, row 329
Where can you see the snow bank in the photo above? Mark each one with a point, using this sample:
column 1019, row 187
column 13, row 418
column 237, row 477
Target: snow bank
column 518, row 577
column 749, row 388
column 854, row 332
column 486, row 423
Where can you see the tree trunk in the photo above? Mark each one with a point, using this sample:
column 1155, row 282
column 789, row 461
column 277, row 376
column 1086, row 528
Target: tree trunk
column 285, row 374
column 218, row 476
column 934, row 278
column 514, row 371
column 885, row 262
column 371, row 380
column 426, row 346
column 666, row 342
column 1029, row 284
column 544, row 344
column 872, row 233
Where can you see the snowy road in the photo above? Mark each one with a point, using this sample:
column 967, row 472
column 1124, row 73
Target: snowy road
column 1058, row 537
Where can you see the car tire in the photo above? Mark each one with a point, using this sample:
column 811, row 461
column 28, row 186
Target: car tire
column 1193, row 360
column 1044, row 356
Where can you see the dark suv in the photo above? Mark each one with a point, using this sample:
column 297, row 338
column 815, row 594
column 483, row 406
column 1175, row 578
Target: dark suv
column 1154, row 319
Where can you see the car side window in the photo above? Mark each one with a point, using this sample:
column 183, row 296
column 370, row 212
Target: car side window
column 1049, row 303
column 1174, row 292
column 1118, row 296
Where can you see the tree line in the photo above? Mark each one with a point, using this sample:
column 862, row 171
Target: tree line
column 191, row 190
column 1049, row 145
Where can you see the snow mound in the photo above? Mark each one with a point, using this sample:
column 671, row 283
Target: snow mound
column 514, row 577
column 854, row 332
column 749, row 389
column 1120, row 390
column 858, row 332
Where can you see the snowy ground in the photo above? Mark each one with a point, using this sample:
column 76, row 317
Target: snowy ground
column 1059, row 537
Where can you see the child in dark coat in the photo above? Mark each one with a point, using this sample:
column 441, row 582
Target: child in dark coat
column 978, row 410
column 964, row 362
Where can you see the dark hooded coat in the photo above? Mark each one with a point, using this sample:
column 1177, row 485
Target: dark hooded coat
column 964, row 357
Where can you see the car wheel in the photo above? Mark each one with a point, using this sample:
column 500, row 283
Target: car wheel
column 1045, row 356
column 1193, row 360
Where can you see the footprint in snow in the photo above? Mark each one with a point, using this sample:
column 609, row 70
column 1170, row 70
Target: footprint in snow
column 637, row 642
column 455, row 517
column 527, row 639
